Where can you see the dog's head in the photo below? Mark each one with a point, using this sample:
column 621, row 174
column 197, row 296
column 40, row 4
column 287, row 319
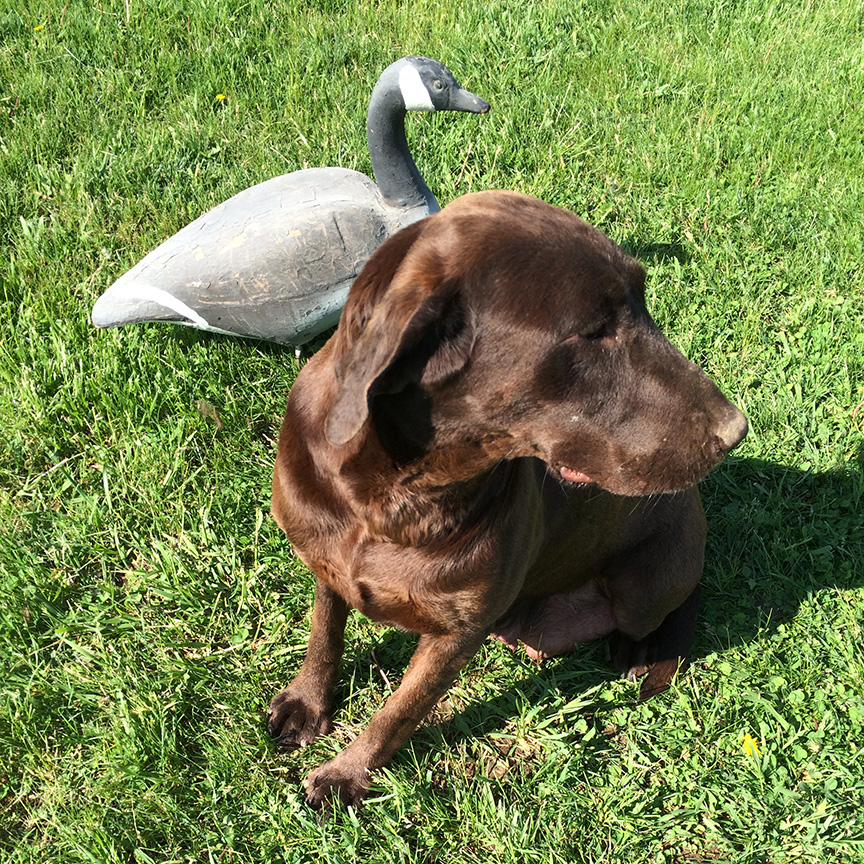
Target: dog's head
column 504, row 327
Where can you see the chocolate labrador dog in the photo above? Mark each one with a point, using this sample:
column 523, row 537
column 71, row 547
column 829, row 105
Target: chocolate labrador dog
column 497, row 440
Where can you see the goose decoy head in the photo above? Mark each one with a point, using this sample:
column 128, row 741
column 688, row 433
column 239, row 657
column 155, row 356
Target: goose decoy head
column 409, row 84
column 428, row 85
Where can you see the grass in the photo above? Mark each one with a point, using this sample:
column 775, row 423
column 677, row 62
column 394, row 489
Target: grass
column 150, row 607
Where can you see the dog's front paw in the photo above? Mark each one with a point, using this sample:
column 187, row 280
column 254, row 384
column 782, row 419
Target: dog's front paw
column 332, row 781
column 295, row 718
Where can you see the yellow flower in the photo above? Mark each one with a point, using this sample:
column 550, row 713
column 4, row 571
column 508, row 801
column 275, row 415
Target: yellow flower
column 220, row 97
column 751, row 748
column 39, row 27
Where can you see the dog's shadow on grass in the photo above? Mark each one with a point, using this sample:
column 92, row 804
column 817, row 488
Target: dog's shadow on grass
column 508, row 692
column 777, row 536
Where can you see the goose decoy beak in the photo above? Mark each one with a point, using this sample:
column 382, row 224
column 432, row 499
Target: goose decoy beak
column 462, row 100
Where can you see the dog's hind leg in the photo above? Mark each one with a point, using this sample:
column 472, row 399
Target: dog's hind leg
column 301, row 712
column 661, row 654
column 553, row 625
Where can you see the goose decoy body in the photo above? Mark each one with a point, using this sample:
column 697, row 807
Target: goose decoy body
column 276, row 261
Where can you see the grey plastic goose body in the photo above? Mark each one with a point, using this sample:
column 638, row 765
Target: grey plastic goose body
column 276, row 261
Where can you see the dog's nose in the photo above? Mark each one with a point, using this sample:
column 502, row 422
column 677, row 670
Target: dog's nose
column 731, row 430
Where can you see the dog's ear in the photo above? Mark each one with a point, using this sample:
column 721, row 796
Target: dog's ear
column 373, row 280
column 419, row 331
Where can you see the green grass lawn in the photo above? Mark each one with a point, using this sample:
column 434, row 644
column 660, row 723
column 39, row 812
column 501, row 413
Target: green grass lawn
column 150, row 608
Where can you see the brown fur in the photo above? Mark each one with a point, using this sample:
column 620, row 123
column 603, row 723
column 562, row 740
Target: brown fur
column 481, row 448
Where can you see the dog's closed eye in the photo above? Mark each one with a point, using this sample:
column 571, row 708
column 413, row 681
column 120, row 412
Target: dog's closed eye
column 593, row 332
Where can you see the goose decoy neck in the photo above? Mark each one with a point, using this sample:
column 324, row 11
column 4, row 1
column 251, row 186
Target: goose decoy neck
column 395, row 172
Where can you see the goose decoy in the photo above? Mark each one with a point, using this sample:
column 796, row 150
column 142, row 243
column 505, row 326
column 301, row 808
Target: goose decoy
column 276, row 261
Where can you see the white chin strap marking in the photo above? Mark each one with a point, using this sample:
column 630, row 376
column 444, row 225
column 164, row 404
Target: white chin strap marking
column 414, row 93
